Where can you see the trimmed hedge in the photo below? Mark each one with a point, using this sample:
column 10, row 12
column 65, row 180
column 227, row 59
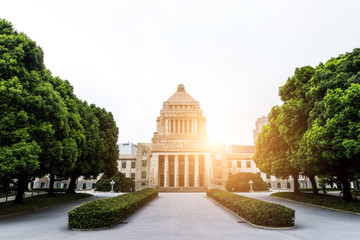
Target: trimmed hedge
column 324, row 200
column 109, row 211
column 255, row 211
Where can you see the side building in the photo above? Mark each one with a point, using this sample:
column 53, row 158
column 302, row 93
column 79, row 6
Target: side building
column 127, row 159
column 239, row 158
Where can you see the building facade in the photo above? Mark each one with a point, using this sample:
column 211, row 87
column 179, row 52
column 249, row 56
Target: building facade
column 127, row 148
column 127, row 165
column 179, row 157
column 259, row 123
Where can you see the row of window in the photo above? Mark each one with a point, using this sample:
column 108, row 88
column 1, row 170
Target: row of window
column 143, row 175
column 133, row 164
column 144, row 162
column 181, row 107
column 238, row 164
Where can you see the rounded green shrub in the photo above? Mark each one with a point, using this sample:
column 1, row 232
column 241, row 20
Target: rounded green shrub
column 239, row 182
column 122, row 183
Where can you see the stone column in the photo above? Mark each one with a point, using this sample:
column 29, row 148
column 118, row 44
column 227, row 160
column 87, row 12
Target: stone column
column 208, row 169
column 176, row 171
column 179, row 126
column 154, row 169
column 196, row 126
column 173, row 124
column 167, row 125
column 166, row 171
column 186, row 175
column 196, row 175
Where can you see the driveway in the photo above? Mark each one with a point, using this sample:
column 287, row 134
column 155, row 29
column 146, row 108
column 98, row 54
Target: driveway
column 184, row 216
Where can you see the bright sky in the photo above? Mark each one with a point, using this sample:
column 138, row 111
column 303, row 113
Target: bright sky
column 232, row 56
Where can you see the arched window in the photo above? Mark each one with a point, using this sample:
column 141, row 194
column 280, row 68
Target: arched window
column 278, row 185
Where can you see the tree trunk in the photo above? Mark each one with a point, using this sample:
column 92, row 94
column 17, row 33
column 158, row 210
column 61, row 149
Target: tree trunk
column 313, row 184
column 296, row 183
column 51, row 186
column 71, row 188
column 346, row 188
column 20, row 190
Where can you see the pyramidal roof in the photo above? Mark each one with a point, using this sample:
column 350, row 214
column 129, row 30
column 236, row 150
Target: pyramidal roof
column 181, row 96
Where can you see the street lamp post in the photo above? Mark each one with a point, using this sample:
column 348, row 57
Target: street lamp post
column 112, row 185
column 251, row 182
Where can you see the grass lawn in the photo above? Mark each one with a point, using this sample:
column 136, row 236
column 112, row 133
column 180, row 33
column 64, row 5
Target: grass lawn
column 39, row 202
column 322, row 200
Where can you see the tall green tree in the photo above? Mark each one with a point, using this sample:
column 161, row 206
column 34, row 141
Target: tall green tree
column 272, row 153
column 74, row 144
column 31, row 111
column 334, row 147
column 58, row 149
column 89, row 162
column 109, row 134
column 317, row 146
column 293, row 118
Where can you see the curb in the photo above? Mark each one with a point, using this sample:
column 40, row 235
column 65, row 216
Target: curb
column 318, row 206
column 38, row 209
column 95, row 229
column 250, row 223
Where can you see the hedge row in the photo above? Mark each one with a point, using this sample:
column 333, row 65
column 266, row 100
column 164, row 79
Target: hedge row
column 110, row 211
column 255, row 211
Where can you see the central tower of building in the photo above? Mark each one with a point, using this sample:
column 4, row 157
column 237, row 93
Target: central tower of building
column 179, row 158
column 180, row 120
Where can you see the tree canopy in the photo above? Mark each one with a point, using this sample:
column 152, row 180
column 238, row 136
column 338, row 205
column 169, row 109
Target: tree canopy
column 317, row 127
column 44, row 127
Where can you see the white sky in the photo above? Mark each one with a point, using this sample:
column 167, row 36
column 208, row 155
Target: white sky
column 232, row 56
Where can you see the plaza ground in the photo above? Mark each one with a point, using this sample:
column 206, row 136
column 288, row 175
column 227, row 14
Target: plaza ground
column 184, row 216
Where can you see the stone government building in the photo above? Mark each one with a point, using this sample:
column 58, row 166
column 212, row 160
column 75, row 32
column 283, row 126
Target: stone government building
column 180, row 157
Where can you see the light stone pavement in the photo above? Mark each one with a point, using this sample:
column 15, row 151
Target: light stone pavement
column 184, row 216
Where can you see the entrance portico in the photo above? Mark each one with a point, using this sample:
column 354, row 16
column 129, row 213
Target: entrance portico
column 181, row 170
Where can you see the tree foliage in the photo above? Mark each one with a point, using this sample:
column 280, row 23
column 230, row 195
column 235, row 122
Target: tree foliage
column 44, row 127
column 239, row 182
column 272, row 153
column 319, row 122
column 122, row 183
column 109, row 135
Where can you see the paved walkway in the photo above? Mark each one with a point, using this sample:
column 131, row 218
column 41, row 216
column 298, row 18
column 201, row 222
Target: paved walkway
column 184, row 216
